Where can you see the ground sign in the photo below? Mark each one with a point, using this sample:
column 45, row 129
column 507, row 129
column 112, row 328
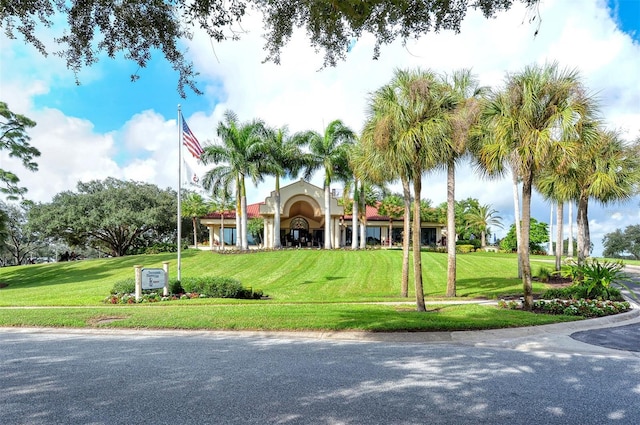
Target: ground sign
column 153, row 278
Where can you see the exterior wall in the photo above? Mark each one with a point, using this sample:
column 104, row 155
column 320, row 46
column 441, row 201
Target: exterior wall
column 302, row 199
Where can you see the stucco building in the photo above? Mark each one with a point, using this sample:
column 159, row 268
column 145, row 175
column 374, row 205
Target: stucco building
column 302, row 221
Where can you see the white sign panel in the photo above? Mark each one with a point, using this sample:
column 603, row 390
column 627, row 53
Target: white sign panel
column 153, row 278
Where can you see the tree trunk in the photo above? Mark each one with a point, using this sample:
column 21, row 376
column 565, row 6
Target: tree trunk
column 363, row 222
column 550, row 251
column 222, row 229
column 239, row 216
column 406, row 232
column 570, row 239
column 516, row 212
column 417, row 254
column 483, row 239
column 277, row 243
column 243, row 217
column 559, row 235
column 327, row 216
column 523, row 247
column 451, row 230
column 584, row 239
column 195, row 231
column 354, row 217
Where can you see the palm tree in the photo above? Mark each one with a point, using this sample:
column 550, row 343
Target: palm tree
column 194, row 206
column 329, row 152
column 393, row 207
column 415, row 125
column 482, row 217
column 381, row 159
column 532, row 120
column 241, row 149
column 463, row 113
column 284, row 157
column 555, row 185
column 608, row 171
column 221, row 181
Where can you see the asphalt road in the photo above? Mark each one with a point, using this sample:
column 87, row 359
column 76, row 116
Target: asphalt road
column 127, row 377
column 625, row 337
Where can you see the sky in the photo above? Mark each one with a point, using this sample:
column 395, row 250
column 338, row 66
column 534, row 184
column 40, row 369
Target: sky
column 110, row 127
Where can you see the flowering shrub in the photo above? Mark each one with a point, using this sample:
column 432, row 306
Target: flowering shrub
column 582, row 307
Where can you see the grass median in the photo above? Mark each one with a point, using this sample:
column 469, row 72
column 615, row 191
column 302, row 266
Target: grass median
column 308, row 290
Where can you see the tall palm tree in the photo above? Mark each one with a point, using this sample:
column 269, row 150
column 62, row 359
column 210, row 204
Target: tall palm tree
column 483, row 217
column 416, row 127
column 241, row 149
column 463, row 111
column 534, row 118
column 381, row 158
column 329, row 152
column 608, row 171
column 284, row 157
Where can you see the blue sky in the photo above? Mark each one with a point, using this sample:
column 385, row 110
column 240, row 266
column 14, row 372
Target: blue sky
column 109, row 126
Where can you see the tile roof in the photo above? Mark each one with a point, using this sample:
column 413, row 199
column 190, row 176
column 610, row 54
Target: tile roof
column 253, row 211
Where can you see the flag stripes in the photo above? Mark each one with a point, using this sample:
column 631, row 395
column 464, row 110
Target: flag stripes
column 190, row 141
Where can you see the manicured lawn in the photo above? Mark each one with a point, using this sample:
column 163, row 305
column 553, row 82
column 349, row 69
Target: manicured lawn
column 291, row 276
column 308, row 289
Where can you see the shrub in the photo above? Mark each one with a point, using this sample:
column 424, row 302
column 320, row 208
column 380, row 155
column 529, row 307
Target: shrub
column 544, row 274
column 477, row 243
column 464, row 249
column 594, row 278
column 175, row 287
column 582, row 307
column 576, row 292
column 161, row 247
column 213, row 286
column 126, row 286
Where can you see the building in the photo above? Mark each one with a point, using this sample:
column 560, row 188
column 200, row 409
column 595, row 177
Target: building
column 302, row 221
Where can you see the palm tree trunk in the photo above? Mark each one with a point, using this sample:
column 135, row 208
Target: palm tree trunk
column 417, row 255
column 406, row 231
column 559, row 235
column 570, row 240
column 354, row 217
column 451, row 230
column 238, row 215
column 327, row 216
column 523, row 247
column 516, row 212
column 195, row 231
column 277, row 243
column 222, row 228
column 584, row 239
column 550, row 252
column 243, row 218
column 363, row 222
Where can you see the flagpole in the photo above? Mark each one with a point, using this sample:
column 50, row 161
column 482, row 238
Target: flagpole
column 179, row 224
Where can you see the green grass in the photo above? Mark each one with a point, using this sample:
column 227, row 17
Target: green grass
column 309, row 290
column 292, row 317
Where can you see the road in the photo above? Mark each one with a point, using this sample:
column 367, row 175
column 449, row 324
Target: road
column 153, row 377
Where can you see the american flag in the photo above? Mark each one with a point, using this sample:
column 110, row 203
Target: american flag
column 190, row 141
